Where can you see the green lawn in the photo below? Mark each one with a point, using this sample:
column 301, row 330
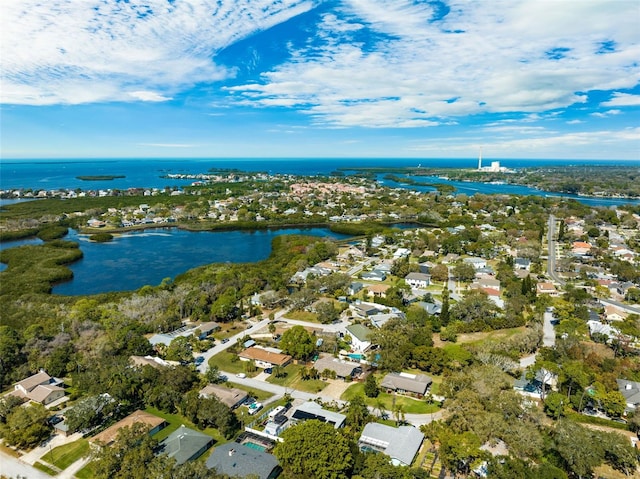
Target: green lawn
column 259, row 394
column 176, row 420
column 303, row 316
column 226, row 362
column 409, row 405
column 44, row 468
column 87, row 472
column 65, row 455
column 292, row 380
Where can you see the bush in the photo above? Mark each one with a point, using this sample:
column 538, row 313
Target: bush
column 101, row 237
column 50, row 233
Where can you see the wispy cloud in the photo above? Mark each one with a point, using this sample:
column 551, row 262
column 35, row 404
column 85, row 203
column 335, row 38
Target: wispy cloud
column 70, row 52
column 488, row 57
column 622, row 99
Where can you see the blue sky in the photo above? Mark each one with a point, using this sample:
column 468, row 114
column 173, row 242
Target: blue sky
column 306, row 78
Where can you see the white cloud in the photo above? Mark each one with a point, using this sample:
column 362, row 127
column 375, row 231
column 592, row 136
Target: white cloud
column 605, row 114
column 70, row 52
column 148, row 96
column 622, row 99
column 420, row 72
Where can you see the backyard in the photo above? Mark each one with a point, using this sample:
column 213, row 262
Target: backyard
column 291, row 378
column 386, row 401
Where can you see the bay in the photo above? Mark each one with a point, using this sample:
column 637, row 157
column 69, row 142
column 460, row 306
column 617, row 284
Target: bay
column 140, row 258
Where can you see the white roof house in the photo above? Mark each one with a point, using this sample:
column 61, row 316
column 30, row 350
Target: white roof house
column 401, row 444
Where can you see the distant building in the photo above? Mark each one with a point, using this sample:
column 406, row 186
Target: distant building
column 418, row 280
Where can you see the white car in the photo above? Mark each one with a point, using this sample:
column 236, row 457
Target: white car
column 241, row 375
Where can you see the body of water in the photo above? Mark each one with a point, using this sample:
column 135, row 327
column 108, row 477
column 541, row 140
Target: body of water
column 140, row 258
column 147, row 173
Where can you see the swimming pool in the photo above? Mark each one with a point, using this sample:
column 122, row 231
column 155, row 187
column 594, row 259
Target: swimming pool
column 257, row 447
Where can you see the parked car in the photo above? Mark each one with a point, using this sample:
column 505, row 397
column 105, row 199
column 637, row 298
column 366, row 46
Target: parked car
column 268, row 370
column 254, row 408
column 225, row 340
column 241, row 375
column 199, row 360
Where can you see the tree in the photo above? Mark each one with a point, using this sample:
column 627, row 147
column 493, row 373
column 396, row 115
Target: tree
column 131, row 456
column 213, row 375
column 179, row 350
column 475, row 306
column 297, row 342
column 371, row 387
column 88, row 412
column 26, row 426
column 327, row 312
column 444, row 313
column 578, row 448
column 314, row 450
column 458, row 451
column 464, row 272
column 439, row 272
column 357, row 414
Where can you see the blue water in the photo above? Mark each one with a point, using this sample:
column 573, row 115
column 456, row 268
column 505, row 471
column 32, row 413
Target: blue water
column 141, row 258
column 147, row 173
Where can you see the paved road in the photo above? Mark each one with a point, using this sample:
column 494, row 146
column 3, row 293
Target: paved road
column 553, row 246
column 13, row 467
column 548, row 331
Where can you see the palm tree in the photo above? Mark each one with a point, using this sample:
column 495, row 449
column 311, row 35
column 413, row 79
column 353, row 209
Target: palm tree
column 380, row 407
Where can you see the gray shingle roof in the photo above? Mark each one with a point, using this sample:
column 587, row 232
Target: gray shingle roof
column 414, row 383
column 185, row 444
column 237, row 460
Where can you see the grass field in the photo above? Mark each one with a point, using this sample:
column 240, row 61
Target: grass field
column 176, row 420
column 409, row 405
column 293, row 380
column 65, row 455
column 87, row 472
column 259, row 394
column 225, row 361
column 44, row 468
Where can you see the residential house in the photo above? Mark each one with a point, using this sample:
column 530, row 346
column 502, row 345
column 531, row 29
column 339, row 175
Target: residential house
column 401, row 253
column 430, row 308
column 546, row 288
column 378, row 290
column 238, row 460
column 354, row 288
column 204, row 330
column 486, row 281
column 264, row 358
column 109, row 435
column 153, row 361
column 613, row 313
column 375, row 275
column 342, row 369
column 230, row 397
column 418, row 280
column 185, row 444
column 364, row 310
column 312, row 410
column 276, row 425
column 522, row 263
column 596, row 327
column 40, row 388
column 631, row 392
column 401, row 444
column 580, row 248
column 405, row 383
column 477, row 263
column 360, row 337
